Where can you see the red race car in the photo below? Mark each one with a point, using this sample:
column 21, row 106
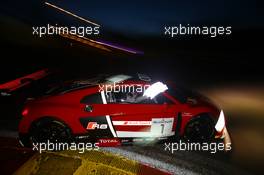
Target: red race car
column 120, row 108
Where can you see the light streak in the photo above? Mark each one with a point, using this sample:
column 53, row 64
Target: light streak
column 84, row 41
column 117, row 47
column 72, row 14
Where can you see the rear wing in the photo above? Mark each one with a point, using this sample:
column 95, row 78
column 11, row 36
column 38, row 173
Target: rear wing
column 13, row 85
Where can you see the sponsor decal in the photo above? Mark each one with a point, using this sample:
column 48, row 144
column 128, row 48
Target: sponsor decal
column 187, row 114
column 109, row 142
column 95, row 125
column 138, row 140
column 161, row 121
column 132, row 123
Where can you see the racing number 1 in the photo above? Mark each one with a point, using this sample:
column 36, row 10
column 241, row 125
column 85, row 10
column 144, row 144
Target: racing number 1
column 161, row 127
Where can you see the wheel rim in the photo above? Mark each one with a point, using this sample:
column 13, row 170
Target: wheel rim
column 52, row 131
column 200, row 129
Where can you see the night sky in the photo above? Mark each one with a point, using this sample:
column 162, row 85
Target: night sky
column 143, row 17
column 140, row 25
column 196, row 62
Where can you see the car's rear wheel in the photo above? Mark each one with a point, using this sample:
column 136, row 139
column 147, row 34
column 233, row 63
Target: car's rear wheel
column 199, row 129
column 44, row 130
column 50, row 129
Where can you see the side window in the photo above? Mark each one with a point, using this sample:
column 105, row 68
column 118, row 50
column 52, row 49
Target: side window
column 92, row 99
column 162, row 99
column 135, row 98
column 129, row 98
column 121, row 97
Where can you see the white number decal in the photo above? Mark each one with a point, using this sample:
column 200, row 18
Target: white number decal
column 161, row 127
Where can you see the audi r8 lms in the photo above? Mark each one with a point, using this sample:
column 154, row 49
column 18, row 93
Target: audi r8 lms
column 119, row 109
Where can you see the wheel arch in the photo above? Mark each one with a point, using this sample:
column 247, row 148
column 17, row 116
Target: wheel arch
column 197, row 117
column 49, row 118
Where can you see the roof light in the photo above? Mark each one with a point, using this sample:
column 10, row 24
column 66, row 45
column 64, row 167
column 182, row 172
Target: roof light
column 155, row 89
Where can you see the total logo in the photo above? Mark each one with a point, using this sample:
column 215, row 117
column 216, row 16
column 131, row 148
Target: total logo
column 109, row 142
column 95, row 125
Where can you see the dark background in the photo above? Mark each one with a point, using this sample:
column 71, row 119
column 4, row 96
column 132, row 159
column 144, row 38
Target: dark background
column 198, row 62
column 139, row 25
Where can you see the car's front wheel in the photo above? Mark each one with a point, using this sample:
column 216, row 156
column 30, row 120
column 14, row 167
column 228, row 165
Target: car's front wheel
column 199, row 129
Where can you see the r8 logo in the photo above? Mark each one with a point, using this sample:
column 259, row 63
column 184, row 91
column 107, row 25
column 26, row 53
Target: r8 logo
column 95, row 125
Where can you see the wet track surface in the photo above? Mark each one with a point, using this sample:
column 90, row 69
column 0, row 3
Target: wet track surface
column 180, row 162
column 12, row 155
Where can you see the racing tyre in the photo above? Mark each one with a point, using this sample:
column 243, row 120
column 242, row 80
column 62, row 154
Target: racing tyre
column 199, row 129
column 47, row 130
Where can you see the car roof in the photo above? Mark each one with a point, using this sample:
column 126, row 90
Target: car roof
column 76, row 84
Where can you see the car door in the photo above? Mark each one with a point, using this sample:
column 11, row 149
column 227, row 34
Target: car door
column 139, row 118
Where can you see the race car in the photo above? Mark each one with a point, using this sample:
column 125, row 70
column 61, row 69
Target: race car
column 119, row 109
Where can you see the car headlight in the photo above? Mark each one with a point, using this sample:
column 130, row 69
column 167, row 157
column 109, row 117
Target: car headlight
column 220, row 122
